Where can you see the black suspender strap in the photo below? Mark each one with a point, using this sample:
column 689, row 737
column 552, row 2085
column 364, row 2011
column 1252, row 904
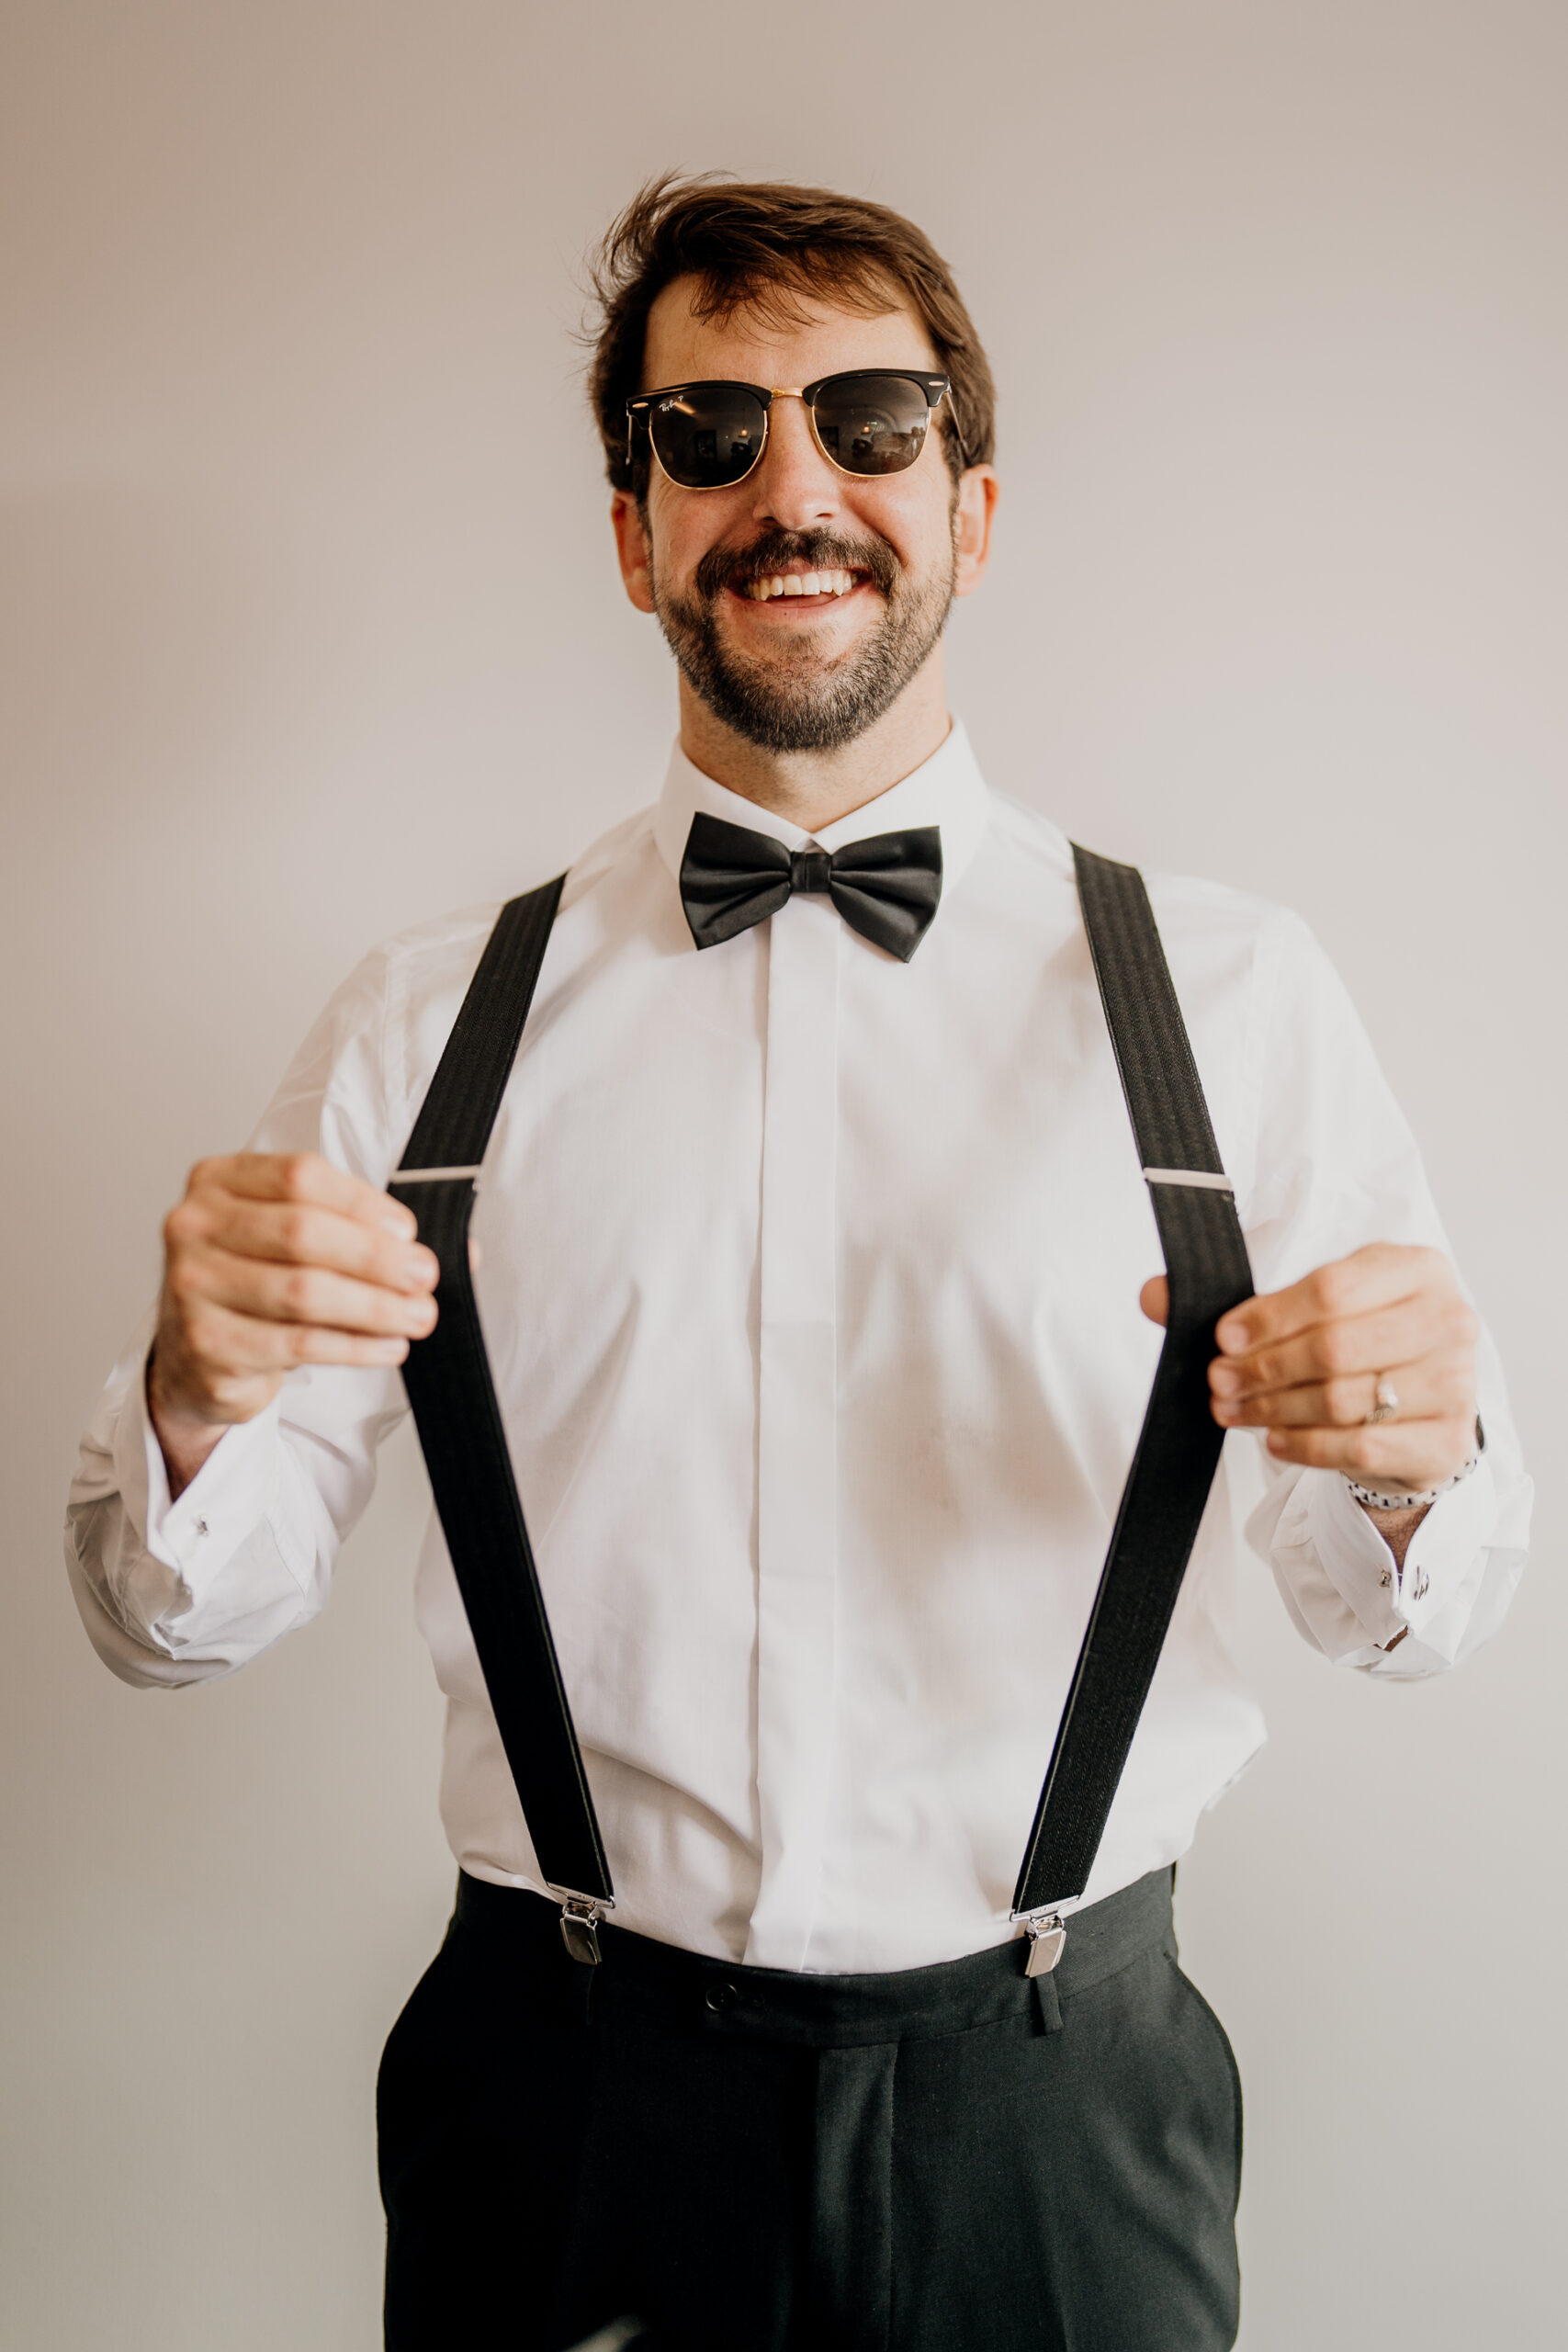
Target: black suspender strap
column 450, row 1386
column 1179, row 1449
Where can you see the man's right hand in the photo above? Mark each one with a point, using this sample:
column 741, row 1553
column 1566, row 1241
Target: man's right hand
column 271, row 1260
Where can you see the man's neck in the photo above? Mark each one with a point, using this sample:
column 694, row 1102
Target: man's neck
column 814, row 789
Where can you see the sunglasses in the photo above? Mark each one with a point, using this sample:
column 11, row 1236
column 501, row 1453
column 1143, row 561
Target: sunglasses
column 868, row 421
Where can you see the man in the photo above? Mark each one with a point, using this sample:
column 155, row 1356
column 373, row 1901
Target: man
column 811, row 1270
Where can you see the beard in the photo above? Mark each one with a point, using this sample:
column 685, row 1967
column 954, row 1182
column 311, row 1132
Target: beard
column 797, row 700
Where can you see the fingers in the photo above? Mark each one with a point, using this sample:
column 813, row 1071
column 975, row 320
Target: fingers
column 227, row 1367
column 1384, row 1274
column 1428, row 1387
column 1348, row 1356
column 303, row 1234
column 247, row 1344
column 1304, row 1365
column 304, row 1177
column 289, row 1293
column 298, row 1210
column 1395, row 1454
column 274, row 1261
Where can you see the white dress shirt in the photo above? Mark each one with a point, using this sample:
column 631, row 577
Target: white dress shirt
column 810, row 1283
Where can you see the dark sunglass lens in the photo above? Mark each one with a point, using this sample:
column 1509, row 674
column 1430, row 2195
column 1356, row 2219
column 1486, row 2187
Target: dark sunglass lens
column 707, row 436
column 872, row 424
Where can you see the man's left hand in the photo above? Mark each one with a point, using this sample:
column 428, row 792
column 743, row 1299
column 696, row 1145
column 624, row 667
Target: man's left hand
column 1304, row 1363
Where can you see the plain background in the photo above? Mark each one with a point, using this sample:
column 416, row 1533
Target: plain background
column 313, row 632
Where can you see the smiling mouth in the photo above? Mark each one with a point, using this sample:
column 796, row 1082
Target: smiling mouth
column 816, row 585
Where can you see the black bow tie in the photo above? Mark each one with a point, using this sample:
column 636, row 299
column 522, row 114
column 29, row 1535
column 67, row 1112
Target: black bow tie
column 887, row 887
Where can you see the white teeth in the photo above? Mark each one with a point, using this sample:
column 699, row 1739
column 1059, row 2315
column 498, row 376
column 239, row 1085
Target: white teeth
column 810, row 584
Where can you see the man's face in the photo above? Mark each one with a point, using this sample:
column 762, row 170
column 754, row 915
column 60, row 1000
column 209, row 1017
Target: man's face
column 809, row 670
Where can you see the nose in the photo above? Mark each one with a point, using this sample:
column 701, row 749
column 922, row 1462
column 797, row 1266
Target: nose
column 796, row 488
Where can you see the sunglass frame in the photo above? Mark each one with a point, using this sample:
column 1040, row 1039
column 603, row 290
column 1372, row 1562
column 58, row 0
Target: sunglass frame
column 640, row 410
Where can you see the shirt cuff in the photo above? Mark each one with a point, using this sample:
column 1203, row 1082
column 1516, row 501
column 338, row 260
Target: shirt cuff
column 197, row 1533
column 1428, row 1598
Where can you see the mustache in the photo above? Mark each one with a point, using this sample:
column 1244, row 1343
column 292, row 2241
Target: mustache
column 740, row 568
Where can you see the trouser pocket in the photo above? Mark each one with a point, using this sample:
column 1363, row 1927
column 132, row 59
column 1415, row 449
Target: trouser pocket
column 1220, row 2043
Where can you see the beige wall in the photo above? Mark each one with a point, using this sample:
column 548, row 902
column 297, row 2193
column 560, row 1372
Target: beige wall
column 315, row 632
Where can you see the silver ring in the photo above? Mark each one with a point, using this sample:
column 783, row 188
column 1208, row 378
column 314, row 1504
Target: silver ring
column 1387, row 1403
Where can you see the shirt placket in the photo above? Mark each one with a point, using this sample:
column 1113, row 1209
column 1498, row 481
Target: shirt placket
column 797, row 1452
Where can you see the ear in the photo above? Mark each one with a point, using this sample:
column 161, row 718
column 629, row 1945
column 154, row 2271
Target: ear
column 977, row 492
column 632, row 548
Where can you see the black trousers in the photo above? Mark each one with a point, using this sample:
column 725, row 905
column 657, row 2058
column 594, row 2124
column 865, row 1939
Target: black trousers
column 750, row 2161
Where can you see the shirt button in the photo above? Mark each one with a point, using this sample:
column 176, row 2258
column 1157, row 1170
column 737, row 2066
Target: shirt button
column 1385, row 1579
column 202, row 1528
column 719, row 1997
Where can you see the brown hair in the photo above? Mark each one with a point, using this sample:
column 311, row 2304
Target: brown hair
column 763, row 245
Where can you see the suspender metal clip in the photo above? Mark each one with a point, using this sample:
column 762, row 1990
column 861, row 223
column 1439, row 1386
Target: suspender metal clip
column 579, row 1917
column 1047, row 1937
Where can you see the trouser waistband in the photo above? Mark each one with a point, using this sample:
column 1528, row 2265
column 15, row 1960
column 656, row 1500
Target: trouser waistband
column 719, row 1997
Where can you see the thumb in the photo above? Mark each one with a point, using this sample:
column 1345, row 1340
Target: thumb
column 1155, row 1298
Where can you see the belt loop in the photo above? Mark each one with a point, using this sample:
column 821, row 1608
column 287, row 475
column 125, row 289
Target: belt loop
column 576, row 1992
column 1047, row 2007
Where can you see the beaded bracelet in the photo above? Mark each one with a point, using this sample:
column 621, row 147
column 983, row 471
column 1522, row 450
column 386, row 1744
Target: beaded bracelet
column 1410, row 1502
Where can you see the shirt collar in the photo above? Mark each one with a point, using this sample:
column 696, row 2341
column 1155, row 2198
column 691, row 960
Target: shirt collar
column 947, row 790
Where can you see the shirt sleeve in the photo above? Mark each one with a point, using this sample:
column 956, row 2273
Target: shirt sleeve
column 178, row 1590
column 1336, row 1167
